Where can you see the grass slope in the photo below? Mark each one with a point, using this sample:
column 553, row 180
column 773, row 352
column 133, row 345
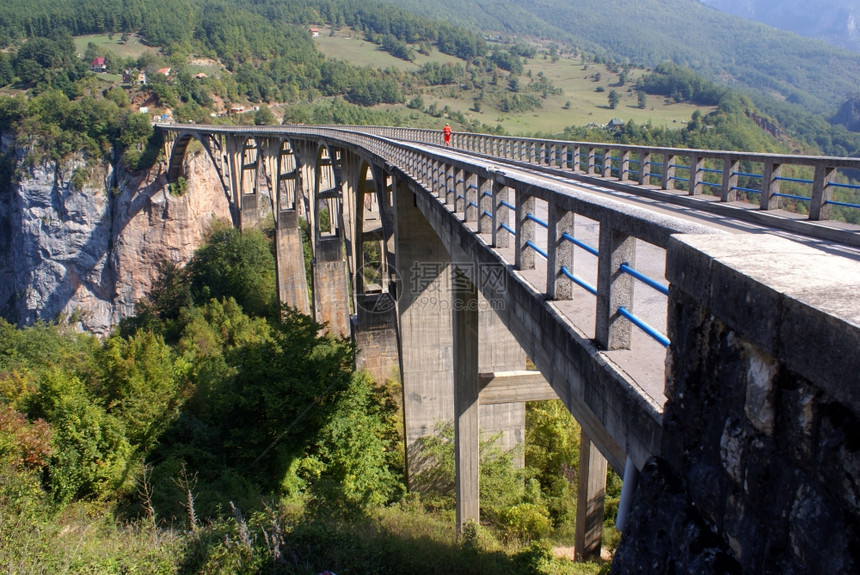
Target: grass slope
column 581, row 103
column 718, row 45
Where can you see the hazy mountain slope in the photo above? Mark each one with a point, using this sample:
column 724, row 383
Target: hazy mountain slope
column 834, row 21
column 718, row 45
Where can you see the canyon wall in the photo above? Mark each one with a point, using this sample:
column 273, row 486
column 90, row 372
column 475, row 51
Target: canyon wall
column 87, row 255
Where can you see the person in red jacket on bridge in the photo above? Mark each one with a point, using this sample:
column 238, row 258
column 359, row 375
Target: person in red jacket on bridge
column 446, row 131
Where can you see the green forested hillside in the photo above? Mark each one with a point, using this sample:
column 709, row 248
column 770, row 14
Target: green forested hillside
column 215, row 433
column 262, row 53
column 722, row 47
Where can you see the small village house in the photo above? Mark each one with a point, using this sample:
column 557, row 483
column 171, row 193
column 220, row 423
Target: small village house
column 98, row 65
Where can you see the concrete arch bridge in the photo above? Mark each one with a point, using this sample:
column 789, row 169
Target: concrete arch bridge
column 705, row 337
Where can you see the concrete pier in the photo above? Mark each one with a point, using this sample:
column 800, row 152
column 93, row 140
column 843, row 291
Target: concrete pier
column 289, row 256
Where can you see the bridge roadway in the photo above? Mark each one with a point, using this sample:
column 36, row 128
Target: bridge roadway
column 488, row 213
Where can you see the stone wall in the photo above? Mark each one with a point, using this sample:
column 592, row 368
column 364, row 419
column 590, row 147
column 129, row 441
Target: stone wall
column 760, row 462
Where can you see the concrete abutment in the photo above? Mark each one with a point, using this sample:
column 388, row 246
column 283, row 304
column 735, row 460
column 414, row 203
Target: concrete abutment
column 759, row 459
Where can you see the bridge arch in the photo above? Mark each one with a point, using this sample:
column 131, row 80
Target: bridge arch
column 176, row 163
column 284, row 177
column 327, row 207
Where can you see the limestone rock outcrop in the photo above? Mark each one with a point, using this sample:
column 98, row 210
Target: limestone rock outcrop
column 89, row 254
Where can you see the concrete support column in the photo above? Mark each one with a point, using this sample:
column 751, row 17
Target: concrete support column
column 289, row 259
column 624, row 166
column 729, row 190
column 501, row 216
column 470, row 198
column 614, row 287
column 248, row 186
column 668, row 172
column 697, row 164
column 234, row 163
column 770, row 186
column 466, row 412
column 331, row 291
column 560, row 254
column 589, row 500
column 426, row 340
column 250, row 212
column 819, row 209
column 606, row 163
column 485, row 206
column 500, row 352
column 525, row 255
column 644, row 168
column 457, row 188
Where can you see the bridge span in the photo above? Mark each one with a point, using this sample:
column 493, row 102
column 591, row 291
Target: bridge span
column 695, row 336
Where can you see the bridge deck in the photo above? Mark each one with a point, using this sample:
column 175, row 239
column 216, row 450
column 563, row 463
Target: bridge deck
column 644, row 363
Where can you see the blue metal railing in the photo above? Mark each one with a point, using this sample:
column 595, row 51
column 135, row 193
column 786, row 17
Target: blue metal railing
column 659, row 337
column 637, row 321
column 797, row 180
column 663, row 289
column 536, row 248
column 579, row 243
column 792, row 197
column 748, row 190
column 579, row 281
column 537, row 220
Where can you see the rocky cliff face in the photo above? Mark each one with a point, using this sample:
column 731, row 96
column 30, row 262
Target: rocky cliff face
column 90, row 253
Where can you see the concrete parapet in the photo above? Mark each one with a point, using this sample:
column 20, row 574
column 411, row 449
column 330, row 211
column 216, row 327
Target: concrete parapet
column 760, row 455
column 794, row 302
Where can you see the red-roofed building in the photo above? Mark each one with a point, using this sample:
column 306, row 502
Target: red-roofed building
column 98, row 65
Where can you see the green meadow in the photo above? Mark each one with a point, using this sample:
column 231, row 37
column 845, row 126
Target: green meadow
column 585, row 100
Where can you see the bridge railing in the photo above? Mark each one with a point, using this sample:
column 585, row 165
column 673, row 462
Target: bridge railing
column 509, row 210
column 814, row 186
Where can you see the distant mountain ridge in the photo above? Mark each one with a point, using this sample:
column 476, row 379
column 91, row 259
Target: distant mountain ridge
column 720, row 46
column 834, row 21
